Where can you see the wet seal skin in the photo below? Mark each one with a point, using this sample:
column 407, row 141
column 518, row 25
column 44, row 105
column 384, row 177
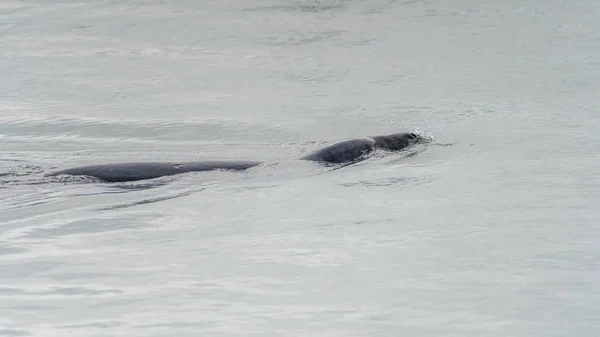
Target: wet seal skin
column 342, row 152
column 121, row 172
column 351, row 150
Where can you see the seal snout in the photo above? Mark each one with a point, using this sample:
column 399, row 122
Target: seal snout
column 396, row 141
column 414, row 138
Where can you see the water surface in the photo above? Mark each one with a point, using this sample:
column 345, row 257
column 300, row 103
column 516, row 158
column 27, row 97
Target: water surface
column 493, row 235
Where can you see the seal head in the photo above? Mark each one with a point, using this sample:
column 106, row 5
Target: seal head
column 396, row 141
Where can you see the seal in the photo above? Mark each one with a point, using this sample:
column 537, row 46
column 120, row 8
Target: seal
column 354, row 149
column 347, row 151
column 121, row 172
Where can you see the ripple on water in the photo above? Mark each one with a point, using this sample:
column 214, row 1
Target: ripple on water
column 82, row 226
column 26, row 269
column 10, row 332
column 5, row 249
column 302, row 7
column 93, row 128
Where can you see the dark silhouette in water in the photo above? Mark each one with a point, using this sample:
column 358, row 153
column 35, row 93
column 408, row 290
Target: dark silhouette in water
column 347, row 151
column 120, row 172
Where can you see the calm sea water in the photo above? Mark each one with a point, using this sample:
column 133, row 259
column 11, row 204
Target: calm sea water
column 494, row 234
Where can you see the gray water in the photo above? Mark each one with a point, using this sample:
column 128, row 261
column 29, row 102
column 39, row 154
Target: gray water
column 491, row 230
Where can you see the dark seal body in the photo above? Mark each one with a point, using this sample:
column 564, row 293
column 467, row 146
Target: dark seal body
column 342, row 152
column 353, row 149
column 120, row 172
column 347, row 151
